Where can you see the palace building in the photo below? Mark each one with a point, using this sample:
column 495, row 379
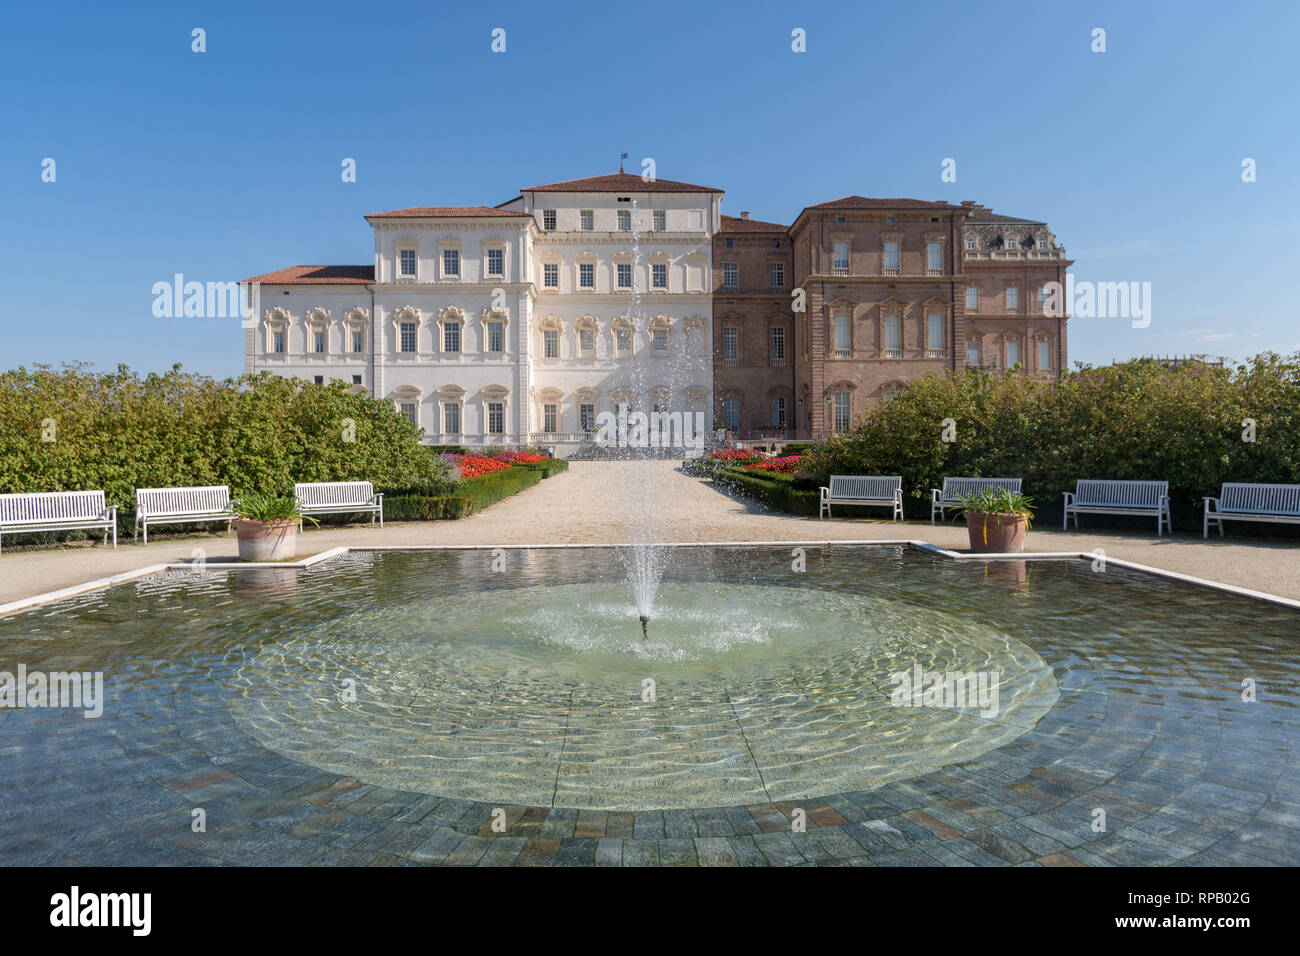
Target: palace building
column 520, row 323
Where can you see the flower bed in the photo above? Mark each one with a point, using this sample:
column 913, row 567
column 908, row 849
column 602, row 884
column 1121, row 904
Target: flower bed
column 786, row 465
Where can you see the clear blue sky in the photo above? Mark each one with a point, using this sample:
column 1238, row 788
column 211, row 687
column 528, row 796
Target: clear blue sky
column 226, row 164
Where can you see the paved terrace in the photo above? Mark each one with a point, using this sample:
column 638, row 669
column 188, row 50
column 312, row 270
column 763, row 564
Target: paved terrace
column 585, row 506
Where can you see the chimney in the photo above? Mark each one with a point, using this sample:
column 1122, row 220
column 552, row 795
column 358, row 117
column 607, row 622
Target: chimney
column 744, row 214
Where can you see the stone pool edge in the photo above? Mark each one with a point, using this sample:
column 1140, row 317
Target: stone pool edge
column 26, row 604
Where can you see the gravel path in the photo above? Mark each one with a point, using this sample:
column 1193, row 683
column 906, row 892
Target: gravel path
column 589, row 504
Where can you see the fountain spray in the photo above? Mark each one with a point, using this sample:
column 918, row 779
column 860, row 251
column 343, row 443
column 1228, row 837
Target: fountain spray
column 645, row 620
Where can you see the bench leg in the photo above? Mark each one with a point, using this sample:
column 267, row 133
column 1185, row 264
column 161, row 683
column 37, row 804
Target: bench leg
column 146, row 532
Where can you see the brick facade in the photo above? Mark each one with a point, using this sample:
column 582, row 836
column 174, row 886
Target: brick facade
column 877, row 315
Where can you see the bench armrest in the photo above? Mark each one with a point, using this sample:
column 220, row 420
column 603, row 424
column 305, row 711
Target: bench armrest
column 934, row 495
column 1069, row 497
column 1207, row 499
column 377, row 498
column 825, row 491
column 109, row 513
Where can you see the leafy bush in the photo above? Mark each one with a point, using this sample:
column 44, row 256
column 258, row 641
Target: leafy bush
column 71, row 428
column 1138, row 420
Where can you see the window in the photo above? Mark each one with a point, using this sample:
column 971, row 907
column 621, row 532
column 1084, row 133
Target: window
column 623, row 341
column 358, row 340
column 587, row 417
column 842, row 407
column 451, row 263
column 625, row 220
column 587, row 220
column 318, row 379
column 731, row 414
column 972, row 299
column 660, row 220
column 1013, row 299
column 407, row 343
column 451, row 418
column 659, row 275
column 496, row 262
column 776, row 346
column 777, row 271
column 841, row 257
column 550, row 343
column 893, row 336
column 778, row 413
column 277, row 342
column 411, row 411
column 1044, row 355
column 891, row 256
column 1042, row 298
column 730, row 275
column 934, row 256
column 356, row 379
column 550, row 418
column 548, row 220
column 659, row 342
column 496, row 418
column 970, row 244
column 1042, row 244
column 934, row 333
column 586, row 275
column 407, row 258
column 842, row 346
column 451, row 337
column 625, row 275
column 731, row 346
column 318, row 341
column 496, row 336
column 972, row 353
column 587, row 342
column 1013, row 354
column 550, row 275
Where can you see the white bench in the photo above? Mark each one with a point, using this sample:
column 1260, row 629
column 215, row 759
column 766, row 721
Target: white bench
column 1107, row 497
column 57, row 511
column 339, row 497
column 181, row 506
column 1239, row 501
column 952, row 487
column 870, row 490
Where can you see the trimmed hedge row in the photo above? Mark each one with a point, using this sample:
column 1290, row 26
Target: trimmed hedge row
column 471, row 495
column 788, row 493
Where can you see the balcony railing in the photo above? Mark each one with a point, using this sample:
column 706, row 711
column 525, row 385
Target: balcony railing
column 893, row 353
column 777, row 361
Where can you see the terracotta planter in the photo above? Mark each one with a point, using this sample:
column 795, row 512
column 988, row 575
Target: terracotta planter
column 996, row 533
column 267, row 540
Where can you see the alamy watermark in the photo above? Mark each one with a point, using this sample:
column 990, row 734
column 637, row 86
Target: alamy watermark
column 179, row 299
column 76, row 690
column 947, row 689
column 1099, row 300
column 628, row 429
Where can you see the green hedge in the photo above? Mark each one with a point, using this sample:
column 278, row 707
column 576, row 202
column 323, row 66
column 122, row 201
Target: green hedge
column 771, row 488
column 71, row 429
column 470, row 495
column 1137, row 420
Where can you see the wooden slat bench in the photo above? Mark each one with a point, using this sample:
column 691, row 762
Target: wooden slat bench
column 1240, row 501
column 181, row 506
column 876, row 491
column 339, row 497
column 1112, row 497
column 57, row 511
column 946, row 497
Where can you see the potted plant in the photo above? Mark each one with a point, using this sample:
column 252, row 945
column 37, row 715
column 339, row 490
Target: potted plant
column 997, row 520
column 267, row 526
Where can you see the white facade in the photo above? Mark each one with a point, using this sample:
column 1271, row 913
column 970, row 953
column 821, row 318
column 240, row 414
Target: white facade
column 513, row 329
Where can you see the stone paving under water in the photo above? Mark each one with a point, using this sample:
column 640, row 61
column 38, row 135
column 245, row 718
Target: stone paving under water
column 1150, row 726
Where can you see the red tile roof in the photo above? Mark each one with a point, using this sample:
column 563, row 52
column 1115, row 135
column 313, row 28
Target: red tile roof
column 318, row 275
column 449, row 212
column 862, row 202
column 619, row 183
column 734, row 224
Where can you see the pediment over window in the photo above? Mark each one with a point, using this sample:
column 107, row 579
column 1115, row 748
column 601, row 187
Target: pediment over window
column 451, row 313
column 551, row 323
column 406, row 393
column 407, row 313
column 450, row 393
